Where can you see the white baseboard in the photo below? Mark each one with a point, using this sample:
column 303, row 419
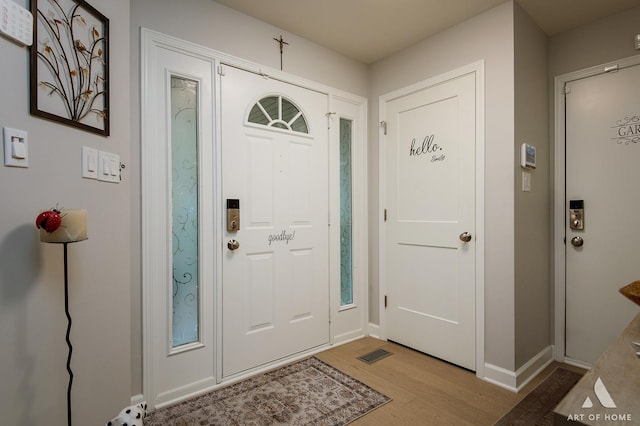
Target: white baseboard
column 374, row 330
column 350, row 336
column 137, row 399
column 500, row 376
column 516, row 380
column 575, row 362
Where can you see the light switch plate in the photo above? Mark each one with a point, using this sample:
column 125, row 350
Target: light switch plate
column 526, row 182
column 108, row 167
column 89, row 163
column 16, row 147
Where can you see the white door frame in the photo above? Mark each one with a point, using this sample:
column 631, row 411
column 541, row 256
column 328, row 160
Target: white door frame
column 347, row 323
column 559, row 247
column 478, row 69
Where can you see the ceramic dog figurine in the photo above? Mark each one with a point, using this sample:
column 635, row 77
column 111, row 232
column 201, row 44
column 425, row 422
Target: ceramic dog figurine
column 130, row 416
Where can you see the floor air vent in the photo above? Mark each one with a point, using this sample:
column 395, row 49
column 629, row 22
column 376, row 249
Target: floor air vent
column 374, row 356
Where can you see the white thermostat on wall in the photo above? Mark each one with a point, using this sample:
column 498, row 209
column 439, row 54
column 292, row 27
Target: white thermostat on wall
column 528, row 156
column 16, row 22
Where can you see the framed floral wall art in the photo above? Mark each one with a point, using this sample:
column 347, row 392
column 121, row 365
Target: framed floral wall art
column 70, row 64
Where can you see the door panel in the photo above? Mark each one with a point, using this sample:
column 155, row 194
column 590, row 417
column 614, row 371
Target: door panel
column 275, row 290
column 260, row 205
column 430, row 193
column 602, row 154
column 415, row 175
column 260, row 285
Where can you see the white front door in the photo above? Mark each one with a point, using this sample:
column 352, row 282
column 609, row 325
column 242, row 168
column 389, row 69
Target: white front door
column 602, row 156
column 275, row 284
column 430, row 218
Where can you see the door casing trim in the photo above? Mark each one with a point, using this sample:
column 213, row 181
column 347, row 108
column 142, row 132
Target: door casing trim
column 558, row 245
column 479, row 69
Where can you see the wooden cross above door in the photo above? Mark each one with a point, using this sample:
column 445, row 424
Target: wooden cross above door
column 282, row 43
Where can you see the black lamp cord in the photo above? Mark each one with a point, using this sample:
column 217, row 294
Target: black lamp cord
column 66, row 310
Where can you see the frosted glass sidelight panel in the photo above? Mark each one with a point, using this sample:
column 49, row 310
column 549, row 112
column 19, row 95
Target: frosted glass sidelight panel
column 346, row 263
column 184, row 207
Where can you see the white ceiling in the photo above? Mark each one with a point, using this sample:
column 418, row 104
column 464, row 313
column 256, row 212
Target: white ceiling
column 369, row 30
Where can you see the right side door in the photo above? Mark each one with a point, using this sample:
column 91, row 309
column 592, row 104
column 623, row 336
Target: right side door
column 602, row 176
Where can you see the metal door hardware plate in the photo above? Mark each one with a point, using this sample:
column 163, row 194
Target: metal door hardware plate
column 233, row 215
column 576, row 215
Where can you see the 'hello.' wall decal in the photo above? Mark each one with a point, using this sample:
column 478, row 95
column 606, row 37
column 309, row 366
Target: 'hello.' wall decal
column 426, row 148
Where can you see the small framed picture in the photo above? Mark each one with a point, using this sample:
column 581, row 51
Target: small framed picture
column 69, row 75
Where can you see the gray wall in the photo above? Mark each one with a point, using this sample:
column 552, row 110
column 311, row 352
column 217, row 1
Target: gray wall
column 32, row 319
column 220, row 28
column 593, row 44
column 488, row 36
column 532, row 220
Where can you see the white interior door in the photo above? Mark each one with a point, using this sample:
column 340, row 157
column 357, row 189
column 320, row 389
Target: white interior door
column 430, row 227
column 602, row 156
column 275, row 289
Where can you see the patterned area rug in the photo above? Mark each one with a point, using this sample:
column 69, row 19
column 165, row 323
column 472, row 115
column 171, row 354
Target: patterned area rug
column 537, row 407
column 308, row 392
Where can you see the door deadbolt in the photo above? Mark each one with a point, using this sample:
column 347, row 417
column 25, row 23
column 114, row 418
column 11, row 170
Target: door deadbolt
column 233, row 215
column 576, row 215
column 465, row 237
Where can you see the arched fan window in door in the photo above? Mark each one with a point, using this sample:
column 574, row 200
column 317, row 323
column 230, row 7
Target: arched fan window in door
column 279, row 112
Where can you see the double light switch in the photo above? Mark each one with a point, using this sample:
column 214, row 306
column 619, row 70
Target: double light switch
column 103, row 166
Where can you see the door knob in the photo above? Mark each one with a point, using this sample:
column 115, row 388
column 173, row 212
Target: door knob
column 465, row 237
column 577, row 241
column 233, row 245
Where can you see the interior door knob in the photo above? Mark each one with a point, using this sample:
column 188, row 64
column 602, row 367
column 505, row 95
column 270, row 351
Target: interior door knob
column 233, row 245
column 465, row 237
column 577, row 241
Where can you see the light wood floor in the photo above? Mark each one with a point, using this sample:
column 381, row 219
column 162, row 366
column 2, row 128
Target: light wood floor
column 425, row 390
